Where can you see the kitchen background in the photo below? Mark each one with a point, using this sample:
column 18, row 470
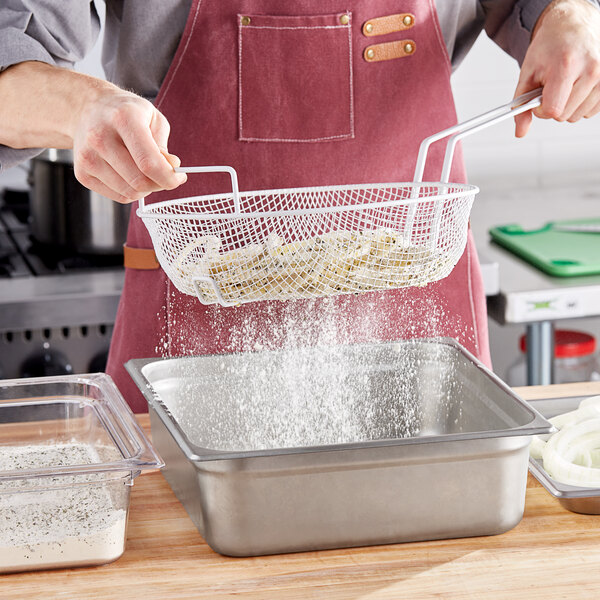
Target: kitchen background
column 521, row 180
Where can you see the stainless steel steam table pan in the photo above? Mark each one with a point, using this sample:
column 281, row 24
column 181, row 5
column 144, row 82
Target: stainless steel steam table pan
column 284, row 451
column 577, row 499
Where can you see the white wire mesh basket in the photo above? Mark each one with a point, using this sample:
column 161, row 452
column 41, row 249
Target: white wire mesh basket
column 321, row 241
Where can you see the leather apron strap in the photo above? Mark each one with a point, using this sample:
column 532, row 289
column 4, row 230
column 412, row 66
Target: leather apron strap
column 143, row 259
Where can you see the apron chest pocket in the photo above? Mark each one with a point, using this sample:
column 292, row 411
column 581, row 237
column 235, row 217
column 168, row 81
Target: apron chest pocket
column 295, row 78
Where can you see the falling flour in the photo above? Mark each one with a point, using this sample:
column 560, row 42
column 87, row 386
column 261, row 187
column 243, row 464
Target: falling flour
column 317, row 392
column 62, row 520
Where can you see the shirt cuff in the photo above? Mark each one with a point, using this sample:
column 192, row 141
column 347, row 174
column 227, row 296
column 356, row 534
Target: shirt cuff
column 530, row 13
column 11, row 157
column 17, row 48
column 515, row 36
column 532, row 9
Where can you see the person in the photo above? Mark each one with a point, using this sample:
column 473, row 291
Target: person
column 291, row 95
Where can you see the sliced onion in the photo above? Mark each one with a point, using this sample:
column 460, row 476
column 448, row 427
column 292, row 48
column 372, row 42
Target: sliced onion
column 536, row 448
column 566, row 447
column 572, row 455
column 589, row 411
column 591, row 401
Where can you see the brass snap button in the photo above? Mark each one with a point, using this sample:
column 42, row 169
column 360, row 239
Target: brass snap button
column 409, row 48
column 368, row 27
column 344, row 19
column 245, row 20
column 408, row 20
column 370, row 53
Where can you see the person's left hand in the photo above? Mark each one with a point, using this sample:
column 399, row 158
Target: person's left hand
column 563, row 58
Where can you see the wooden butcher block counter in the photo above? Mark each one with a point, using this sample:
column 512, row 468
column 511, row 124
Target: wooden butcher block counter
column 552, row 553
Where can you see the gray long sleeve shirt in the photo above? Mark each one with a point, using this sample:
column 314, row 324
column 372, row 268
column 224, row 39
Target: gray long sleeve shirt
column 141, row 36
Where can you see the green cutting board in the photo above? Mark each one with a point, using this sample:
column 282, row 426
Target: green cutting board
column 559, row 253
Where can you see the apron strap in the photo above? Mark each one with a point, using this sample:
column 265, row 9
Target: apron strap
column 139, row 258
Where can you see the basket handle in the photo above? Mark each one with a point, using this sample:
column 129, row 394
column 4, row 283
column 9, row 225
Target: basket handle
column 515, row 107
column 216, row 169
column 509, row 111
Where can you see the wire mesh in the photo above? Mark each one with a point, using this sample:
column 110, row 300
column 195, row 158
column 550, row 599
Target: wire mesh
column 310, row 242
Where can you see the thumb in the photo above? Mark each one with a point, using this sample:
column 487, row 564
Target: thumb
column 172, row 159
column 160, row 128
column 523, row 121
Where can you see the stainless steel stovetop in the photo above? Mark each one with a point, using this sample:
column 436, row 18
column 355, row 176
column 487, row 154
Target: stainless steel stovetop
column 54, row 306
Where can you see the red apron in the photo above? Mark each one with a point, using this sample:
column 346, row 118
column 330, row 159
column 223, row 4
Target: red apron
column 289, row 94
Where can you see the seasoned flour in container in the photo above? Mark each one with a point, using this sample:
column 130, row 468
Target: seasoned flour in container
column 58, row 520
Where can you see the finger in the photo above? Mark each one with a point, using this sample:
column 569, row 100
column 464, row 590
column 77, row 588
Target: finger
column 582, row 101
column 118, row 157
column 148, row 157
column 523, row 121
column 523, row 124
column 160, row 128
column 174, row 161
column 593, row 112
column 555, row 96
column 103, row 172
column 101, row 188
column 88, row 168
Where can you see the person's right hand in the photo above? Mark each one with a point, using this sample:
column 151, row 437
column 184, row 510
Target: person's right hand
column 563, row 58
column 120, row 147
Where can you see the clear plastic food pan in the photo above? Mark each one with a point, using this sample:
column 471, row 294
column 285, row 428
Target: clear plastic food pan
column 70, row 449
column 282, row 451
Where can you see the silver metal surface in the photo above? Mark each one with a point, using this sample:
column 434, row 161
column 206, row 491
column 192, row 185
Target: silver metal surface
column 80, row 349
column 60, row 301
column 540, row 353
column 576, row 499
column 66, row 214
column 443, row 450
